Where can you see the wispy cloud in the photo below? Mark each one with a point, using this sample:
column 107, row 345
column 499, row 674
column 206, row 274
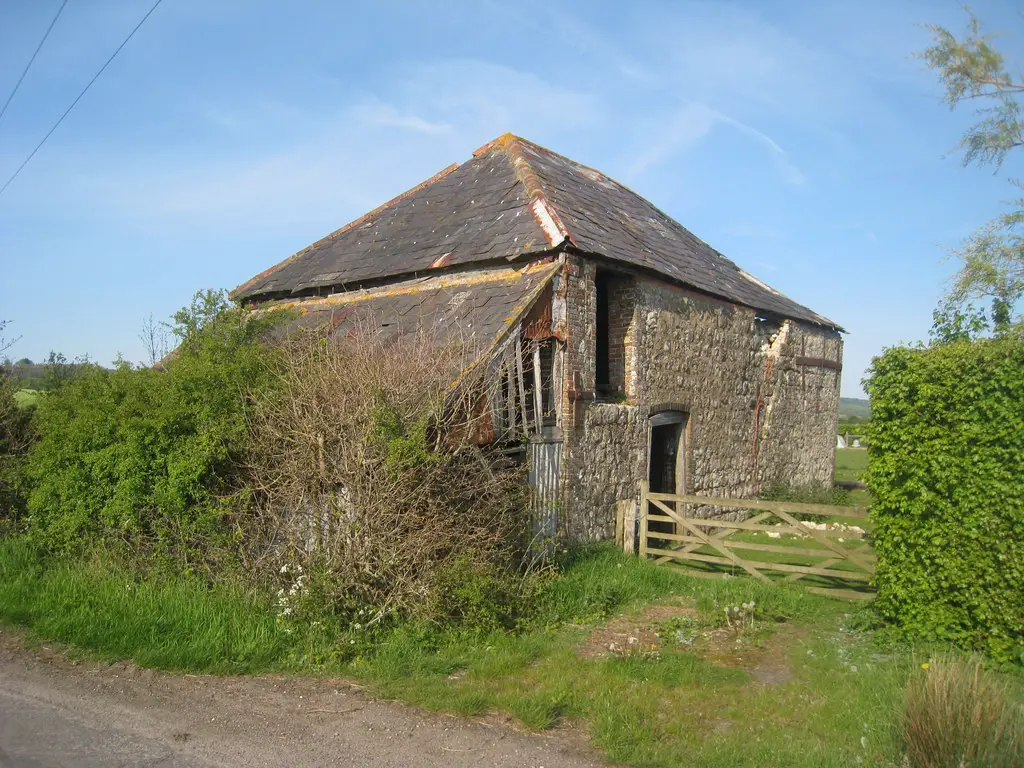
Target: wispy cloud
column 790, row 173
column 387, row 115
column 693, row 122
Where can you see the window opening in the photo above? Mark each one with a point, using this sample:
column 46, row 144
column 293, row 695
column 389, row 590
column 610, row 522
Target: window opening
column 539, row 368
column 602, row 322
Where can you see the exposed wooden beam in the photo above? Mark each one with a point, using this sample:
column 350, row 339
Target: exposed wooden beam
column 819, row 362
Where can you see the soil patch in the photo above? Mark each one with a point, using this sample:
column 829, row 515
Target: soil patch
column 763, row 653
column 633, row 633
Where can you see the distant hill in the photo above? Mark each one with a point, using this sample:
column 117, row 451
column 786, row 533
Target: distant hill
column 854, row 408
column 38, row 376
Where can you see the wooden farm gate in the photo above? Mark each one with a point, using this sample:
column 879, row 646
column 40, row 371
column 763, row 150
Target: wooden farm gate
column 834, row 560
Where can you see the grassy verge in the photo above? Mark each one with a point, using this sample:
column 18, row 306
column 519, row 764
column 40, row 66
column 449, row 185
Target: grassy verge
column 174, row 624
column 793, row 686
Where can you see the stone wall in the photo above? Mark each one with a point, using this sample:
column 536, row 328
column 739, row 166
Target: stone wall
column 757, row 414
column 602, row 463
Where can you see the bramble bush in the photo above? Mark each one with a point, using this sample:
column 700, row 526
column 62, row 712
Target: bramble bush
column 946, row 468
column 147, row 457
column 366, row 473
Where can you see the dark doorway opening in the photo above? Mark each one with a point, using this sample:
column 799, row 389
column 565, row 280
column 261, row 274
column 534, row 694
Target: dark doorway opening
column 666, row 471
column 664, row 457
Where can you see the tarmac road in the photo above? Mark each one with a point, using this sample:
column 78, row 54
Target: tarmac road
column 56, row 713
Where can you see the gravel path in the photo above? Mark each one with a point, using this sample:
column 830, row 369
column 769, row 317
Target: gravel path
column 55, row 712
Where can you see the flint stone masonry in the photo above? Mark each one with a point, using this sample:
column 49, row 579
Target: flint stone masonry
column 756, row 417
column 610, row 460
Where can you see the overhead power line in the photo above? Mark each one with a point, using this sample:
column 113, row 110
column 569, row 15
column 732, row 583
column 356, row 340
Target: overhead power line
column 79, row 97
column 35, row 53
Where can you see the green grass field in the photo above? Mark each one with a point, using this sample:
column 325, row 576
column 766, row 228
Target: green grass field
column 26, row 397
column 851, row 463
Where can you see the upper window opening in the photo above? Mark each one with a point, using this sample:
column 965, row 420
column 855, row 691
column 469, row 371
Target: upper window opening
column 614, row 314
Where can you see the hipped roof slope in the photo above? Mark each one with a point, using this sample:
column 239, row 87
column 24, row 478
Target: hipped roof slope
column 514, row 198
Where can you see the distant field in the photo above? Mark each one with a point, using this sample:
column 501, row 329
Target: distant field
column 850, row 465
column 26, row 397
column 854, row 408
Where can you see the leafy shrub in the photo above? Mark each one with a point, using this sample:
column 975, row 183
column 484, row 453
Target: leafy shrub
column 477, row 596
column 146, row 456
column 956, row 715
column 15, row 437
column 946, row 462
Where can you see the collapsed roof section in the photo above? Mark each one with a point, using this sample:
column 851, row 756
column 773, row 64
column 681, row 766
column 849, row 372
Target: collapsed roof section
column 514, row 198
column 476, row 309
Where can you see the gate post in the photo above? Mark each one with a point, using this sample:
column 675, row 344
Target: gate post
column 642, row 517
column 625, row 525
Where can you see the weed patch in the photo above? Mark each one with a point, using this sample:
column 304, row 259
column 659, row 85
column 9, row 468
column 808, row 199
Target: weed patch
column 957, row 714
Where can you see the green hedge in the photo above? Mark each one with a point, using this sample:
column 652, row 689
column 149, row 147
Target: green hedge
column 947, row 473
column 15, row 438
column 149, row 457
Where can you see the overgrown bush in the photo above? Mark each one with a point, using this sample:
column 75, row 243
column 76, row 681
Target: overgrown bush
column 148, row 457
column 957, row 715
column 15, row 438
column 366, row 469
column 946, row 468
column 349, row 473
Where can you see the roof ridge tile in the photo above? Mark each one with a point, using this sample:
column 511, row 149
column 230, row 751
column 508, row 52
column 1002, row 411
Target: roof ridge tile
column 544, row 212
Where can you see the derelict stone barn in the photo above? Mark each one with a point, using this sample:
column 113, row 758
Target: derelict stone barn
column 619, row 346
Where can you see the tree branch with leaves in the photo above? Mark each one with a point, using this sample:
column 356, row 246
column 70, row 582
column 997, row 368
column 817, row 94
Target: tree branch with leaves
column 5, row 343
column 973, row 70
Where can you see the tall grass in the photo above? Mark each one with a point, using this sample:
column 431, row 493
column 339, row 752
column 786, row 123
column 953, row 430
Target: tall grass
column 173, row 623
column 958, row 715
column 600, row 580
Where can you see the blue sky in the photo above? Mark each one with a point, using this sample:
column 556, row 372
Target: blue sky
column 798, row 138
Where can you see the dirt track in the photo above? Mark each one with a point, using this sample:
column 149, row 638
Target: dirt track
column 54, row 712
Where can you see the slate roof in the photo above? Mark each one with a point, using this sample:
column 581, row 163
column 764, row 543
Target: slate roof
column 515, row 198
column 478, row 307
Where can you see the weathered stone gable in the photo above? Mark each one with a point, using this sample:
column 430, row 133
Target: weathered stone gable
column 758, row 413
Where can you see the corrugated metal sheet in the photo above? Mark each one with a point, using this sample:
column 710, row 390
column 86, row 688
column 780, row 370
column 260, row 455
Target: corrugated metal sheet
column 545, row 461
